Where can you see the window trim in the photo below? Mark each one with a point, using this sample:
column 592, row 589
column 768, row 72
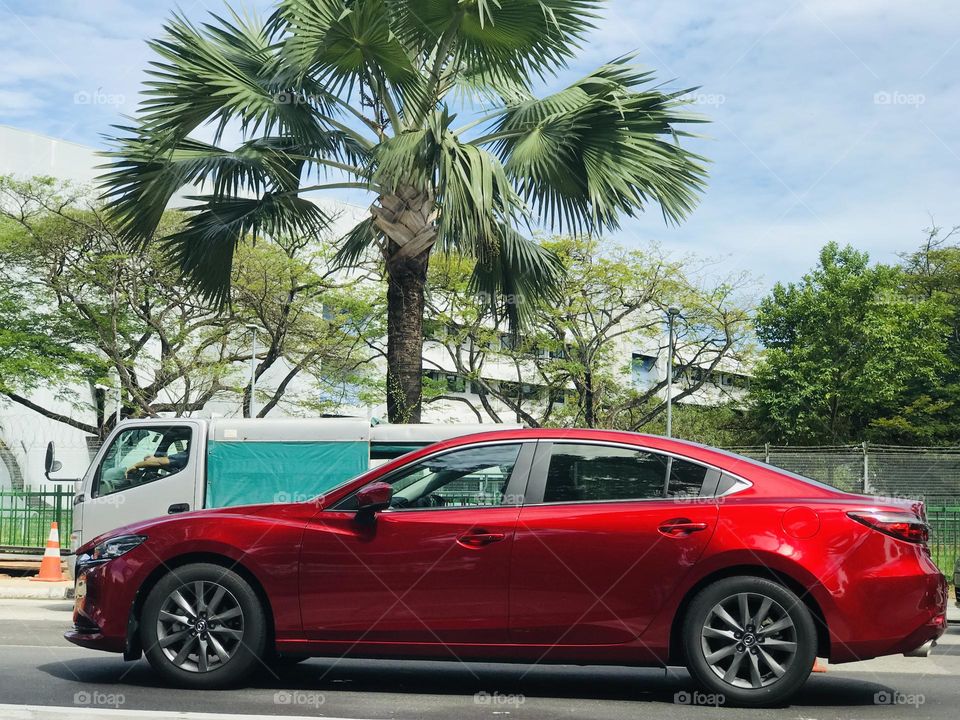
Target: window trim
column 515, row 488
column 537, row 484
column 191, row 456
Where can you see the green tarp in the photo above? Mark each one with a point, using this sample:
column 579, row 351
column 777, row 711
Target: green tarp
column 245, row 473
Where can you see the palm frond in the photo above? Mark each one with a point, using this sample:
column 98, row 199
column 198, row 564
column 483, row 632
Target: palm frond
column 204, row 247
column 518, row 40
column 474, row 196
column 348, row 44
column 224, row 71
column 355, row 244
column 605, row 146
column 148, row 171
column 518, row 272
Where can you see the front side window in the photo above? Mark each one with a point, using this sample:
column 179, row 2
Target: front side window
column 470, row 477
column 141, row 455
column 595, row 473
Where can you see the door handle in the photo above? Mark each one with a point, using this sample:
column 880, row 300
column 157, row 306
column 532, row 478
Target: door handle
column 178, row 508
column 680, row 527
column 480, row 538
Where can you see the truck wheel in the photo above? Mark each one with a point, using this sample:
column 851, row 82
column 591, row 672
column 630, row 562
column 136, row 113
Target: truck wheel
column 749, row 640
column 203, row 626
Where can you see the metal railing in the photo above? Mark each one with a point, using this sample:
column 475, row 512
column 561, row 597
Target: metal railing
column 944, row 537
column 25, row 517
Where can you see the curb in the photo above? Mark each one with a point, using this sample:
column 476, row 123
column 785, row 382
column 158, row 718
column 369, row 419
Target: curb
column 36, row 591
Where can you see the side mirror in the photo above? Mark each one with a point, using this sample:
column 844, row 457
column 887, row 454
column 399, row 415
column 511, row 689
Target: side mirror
column 50, row 463
column 374, row 497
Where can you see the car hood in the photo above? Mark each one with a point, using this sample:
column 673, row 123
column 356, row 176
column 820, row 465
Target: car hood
column 142, row 527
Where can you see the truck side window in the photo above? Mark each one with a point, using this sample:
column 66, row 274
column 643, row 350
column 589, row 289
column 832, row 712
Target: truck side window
column 141, row 455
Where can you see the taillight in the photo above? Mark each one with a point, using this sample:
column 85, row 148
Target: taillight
column 901, row 525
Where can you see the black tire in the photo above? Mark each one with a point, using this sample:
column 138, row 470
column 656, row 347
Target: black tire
column 242, row 636
column 754, row 654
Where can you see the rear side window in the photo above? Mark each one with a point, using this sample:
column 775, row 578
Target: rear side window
column 686, row 478
column 594, row 473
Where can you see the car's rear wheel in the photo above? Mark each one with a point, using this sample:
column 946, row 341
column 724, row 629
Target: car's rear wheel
column 750, row 640
column 203, row 626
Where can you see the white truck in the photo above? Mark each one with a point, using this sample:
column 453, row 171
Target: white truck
column 153, row 467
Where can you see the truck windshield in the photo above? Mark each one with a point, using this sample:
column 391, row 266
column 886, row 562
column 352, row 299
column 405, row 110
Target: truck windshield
column 141, row 455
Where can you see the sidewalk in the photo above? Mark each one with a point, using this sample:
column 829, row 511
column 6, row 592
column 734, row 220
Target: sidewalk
column 23, row 588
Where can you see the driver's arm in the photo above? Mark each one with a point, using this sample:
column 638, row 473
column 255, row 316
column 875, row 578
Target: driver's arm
column 152, row 461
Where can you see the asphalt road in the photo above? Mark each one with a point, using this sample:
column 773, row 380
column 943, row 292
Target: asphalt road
column 39, row 668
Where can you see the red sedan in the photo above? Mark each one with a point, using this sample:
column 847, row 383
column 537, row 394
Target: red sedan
column 561, row 546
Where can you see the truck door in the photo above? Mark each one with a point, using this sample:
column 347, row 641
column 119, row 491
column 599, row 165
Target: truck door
column 147, row 471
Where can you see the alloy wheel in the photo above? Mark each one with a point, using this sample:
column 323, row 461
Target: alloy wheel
column 749, row 640
column 200, row 626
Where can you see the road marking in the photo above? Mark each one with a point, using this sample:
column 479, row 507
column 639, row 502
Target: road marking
column 51, row 647
column 51, row 712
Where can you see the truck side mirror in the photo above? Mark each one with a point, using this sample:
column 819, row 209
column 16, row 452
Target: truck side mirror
column 374, row 497
column 50, row 463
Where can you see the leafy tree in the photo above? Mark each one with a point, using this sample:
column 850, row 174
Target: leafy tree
column 931, row 414
column 843, row 347
column 361, row 94
column 721, row 425
column 78, row 308
column 572, row 365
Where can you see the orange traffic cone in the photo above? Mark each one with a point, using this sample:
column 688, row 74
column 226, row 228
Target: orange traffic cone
column 50, row 565
column 818, row 667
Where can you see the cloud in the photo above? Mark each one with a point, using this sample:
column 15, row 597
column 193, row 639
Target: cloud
column 17, row 103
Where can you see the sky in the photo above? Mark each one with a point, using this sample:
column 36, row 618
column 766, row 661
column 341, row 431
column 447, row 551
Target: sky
column 831, row 120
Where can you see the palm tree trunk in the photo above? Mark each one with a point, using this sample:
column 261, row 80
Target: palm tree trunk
column 406, row 281
column 406, row 219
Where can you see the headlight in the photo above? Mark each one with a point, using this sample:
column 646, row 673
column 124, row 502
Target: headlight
column 115, row 547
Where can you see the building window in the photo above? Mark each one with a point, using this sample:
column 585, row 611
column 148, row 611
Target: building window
column 521, row 391
column 451, row 381
column 641, row 367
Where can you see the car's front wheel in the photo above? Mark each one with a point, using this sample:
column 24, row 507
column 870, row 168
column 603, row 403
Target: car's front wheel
column 750, row 640
column 203, row 626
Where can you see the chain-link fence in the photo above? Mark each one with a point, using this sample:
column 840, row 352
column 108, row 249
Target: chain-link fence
column 931, row 474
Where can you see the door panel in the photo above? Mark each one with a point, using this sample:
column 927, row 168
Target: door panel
column 599, row 573
column 607, row 534
column 408, row 576
column 434, row 568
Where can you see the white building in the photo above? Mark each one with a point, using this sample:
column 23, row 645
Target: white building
column 24, row 433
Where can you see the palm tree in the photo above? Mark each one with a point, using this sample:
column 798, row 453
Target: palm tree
column 359, row 94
